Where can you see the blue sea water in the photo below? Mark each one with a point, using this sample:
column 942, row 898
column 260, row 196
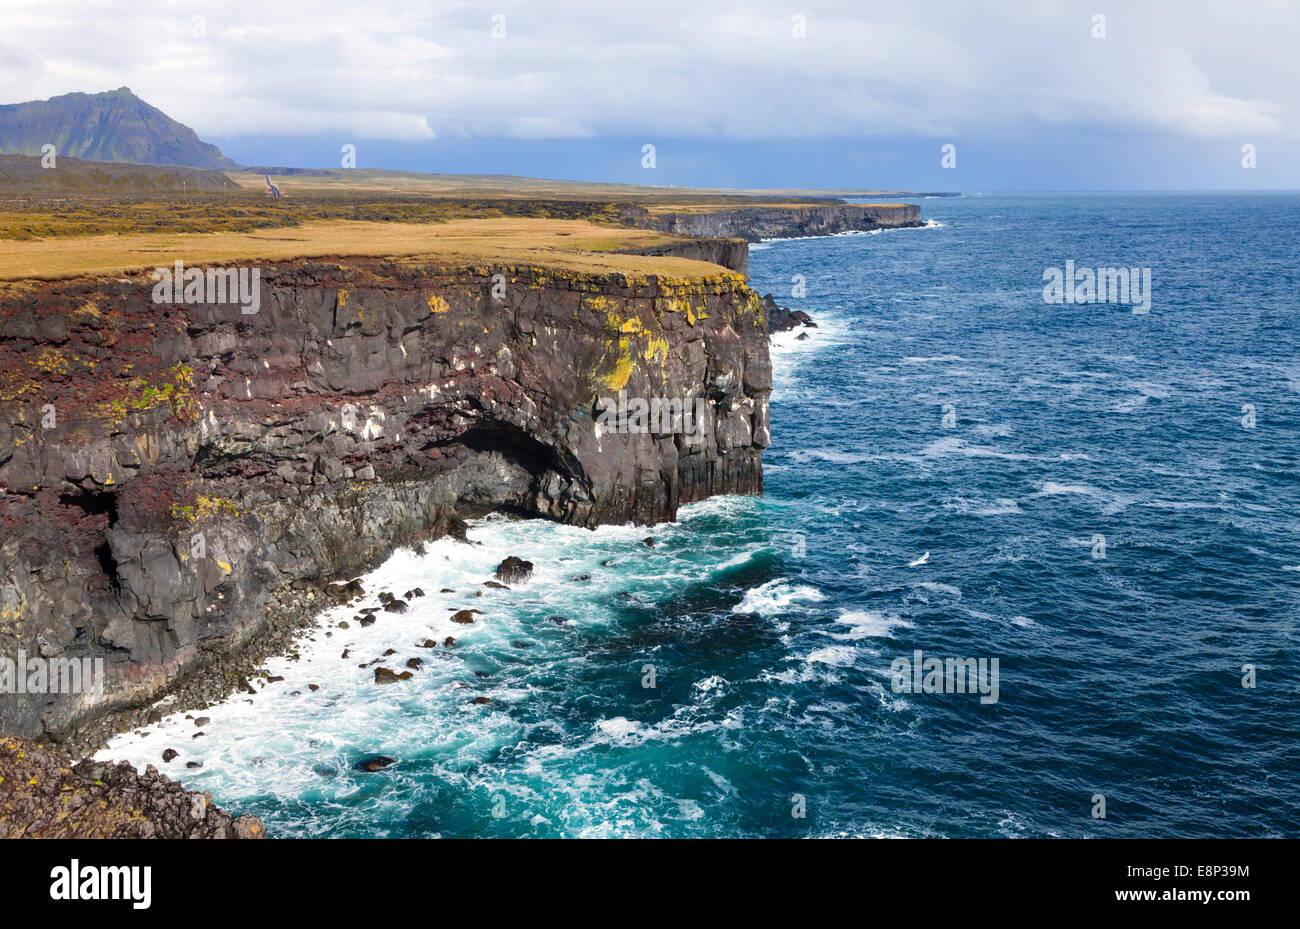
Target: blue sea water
column 940, row 406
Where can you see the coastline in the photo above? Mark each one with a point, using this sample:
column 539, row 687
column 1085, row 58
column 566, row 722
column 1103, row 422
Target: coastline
column 271, row 617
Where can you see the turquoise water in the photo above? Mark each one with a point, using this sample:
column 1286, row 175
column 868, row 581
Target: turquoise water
column 942, row 407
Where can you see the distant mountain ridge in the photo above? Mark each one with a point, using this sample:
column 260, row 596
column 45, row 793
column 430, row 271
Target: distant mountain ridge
column 115, row 126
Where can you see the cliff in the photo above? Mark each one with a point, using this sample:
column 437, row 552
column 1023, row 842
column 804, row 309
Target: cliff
column 782, row 222
column 168, row 469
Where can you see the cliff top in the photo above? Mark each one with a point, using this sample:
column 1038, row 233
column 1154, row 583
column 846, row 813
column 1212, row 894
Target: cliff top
column 575, row 245
column 300, row 181
column 42, row 795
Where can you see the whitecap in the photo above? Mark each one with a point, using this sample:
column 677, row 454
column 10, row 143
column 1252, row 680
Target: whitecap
column 870, row 623
column 775, row 597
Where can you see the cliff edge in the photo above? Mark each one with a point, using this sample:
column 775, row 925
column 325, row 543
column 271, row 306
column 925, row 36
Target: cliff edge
column 167, row 466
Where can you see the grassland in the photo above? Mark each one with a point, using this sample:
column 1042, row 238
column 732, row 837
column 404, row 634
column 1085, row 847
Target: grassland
column 49, row 233
column 366, row 182
column 576, row 245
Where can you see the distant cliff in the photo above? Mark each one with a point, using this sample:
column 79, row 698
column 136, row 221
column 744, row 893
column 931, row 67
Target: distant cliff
column 166, row 468
column 112, row 126
column 781, row 222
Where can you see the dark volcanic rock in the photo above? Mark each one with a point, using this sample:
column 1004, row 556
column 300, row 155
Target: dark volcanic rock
column 43, row 795
column 514, row 570
column 247, row 468
column 463, row 616
column 342, row 593
column 779, row 319
column 767, row 222
column 375, row 763
column 395, row 606
column 169, row 754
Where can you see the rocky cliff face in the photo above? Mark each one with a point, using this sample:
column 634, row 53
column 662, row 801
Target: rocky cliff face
column 165, row 468
column 768, row 222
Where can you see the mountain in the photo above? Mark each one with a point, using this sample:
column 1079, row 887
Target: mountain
column 113, row 126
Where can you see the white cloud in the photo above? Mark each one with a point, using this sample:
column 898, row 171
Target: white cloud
column 409, row 69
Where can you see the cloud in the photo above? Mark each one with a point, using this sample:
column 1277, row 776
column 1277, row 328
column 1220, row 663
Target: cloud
column 411, row 70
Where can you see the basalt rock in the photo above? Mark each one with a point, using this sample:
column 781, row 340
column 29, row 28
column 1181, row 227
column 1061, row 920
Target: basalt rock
column 375, row 763
column 514, row 570
column 43, row 795
column 768, row 222
column 780, row 319
column 165, row 469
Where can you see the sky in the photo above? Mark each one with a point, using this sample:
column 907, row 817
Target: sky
column 1031, row 95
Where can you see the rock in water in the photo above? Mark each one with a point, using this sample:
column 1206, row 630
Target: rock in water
column 463, row 616
column 514, row 570
column 375, row 763
column 395, row 606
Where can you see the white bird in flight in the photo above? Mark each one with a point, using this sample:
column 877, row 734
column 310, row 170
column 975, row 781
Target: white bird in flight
column 920, row 561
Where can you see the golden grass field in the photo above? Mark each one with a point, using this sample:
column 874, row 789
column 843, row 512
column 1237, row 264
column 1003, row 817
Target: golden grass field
column 574, row 245
column 360, row 181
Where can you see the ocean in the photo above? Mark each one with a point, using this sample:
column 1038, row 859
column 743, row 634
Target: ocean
column 1108, row 500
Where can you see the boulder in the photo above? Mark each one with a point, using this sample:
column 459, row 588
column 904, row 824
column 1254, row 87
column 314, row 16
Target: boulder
column 375, row 763
column 514, row 570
